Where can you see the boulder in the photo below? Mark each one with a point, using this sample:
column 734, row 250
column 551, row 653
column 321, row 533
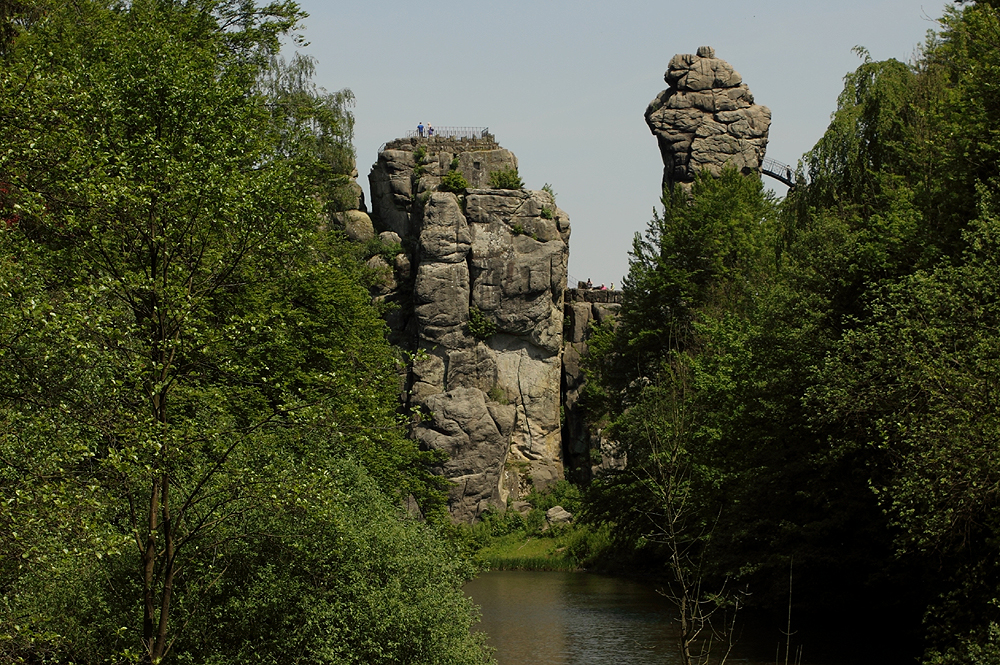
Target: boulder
column 461, row 426
column 384, row 280
column 558, row 515
column 444, row 234
column 522, row 507
column 357, row 225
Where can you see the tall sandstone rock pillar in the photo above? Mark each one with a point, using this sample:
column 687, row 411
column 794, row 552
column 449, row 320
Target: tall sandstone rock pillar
column 479, row 288
column 706, row 119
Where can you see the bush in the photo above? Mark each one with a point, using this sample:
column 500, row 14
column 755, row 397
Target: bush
column 480, row 325
column 335, row 574
column 453, row 181
column 498, row 394
column 506, row 179
column 375, row 247
column 563, row 493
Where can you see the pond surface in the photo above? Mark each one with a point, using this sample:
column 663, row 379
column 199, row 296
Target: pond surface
column 550, row 618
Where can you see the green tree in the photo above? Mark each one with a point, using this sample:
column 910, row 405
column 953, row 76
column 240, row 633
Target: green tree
column 665, row 376
column 185, row 357
column 697, row 256
column 917, row 385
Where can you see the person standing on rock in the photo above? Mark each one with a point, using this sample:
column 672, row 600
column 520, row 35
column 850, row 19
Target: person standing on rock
column 430, row 130
column 420, row 129
column 590, row 284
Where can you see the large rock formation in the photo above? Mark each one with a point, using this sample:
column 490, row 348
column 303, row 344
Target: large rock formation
column 479, row 288
column 586, row 449
column 706, row 119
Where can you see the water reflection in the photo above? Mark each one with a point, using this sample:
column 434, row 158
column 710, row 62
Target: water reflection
column 573, row 619
column 535, row 618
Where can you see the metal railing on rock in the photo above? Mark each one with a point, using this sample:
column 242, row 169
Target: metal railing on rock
column 451, row 133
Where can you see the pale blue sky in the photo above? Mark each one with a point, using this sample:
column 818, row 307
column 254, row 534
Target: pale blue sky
column 564, row 84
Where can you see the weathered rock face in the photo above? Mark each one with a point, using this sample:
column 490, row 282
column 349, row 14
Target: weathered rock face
column 586, row 449
column 480, row 293
column 354, row 219
column 706, row 119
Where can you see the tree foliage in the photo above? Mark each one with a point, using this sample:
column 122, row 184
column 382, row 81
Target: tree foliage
column 201, row 459
column 825, row 372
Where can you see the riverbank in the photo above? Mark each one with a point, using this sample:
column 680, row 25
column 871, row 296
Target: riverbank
column 568, row 548
column 524, row 540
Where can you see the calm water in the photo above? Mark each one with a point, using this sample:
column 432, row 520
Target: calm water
column 543, row 618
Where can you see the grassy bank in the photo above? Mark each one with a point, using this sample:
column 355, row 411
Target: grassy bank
column 562, row 548
column 513, row 540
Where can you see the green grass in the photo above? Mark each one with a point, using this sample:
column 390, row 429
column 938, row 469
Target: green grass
column 569, row 547
column 519, row 551
column 526, row 563
column 513, row 541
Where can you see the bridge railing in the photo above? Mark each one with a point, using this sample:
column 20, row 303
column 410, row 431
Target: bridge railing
column 453, row 132
column 778, row 171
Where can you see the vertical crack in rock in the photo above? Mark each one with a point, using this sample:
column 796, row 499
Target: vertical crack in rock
column 524, row 404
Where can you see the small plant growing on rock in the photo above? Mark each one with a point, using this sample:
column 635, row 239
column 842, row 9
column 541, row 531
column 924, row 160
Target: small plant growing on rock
column 454, row 164
column 548, row 188
column 547, row 213
column 480, row 325
column 497, row 394
column 419, row 157
column 519, row 230
column 506, row 179
column 453, row 181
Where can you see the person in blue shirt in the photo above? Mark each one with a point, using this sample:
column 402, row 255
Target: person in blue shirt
column 420, row 129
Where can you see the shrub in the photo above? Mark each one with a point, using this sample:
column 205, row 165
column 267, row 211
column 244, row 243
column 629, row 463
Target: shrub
column 547, row 213
column 497, row 394
column 519, row 230
column 375, row 247
column 506, row 179
column 548, row 188
column 562, row 493
column 480, row 325
column 453, row 181
column 419, row 156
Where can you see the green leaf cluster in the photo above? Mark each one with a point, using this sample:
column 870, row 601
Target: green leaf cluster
column 453, row 181
column 506, row 179
column 480, row 325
